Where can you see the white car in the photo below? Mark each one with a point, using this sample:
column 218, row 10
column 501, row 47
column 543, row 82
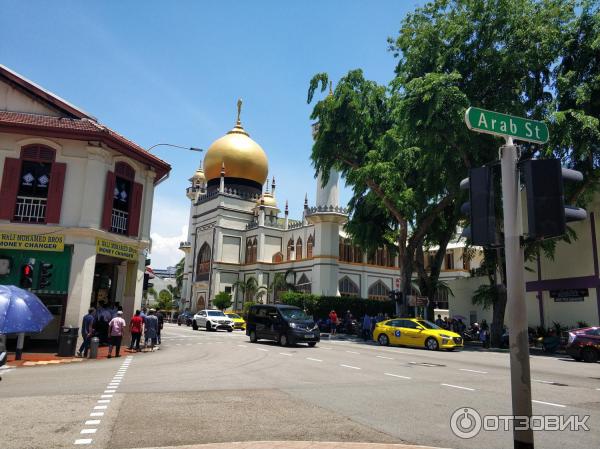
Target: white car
column 212, row 320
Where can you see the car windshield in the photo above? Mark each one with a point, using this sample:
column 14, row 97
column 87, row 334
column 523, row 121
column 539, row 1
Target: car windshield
column 233, row 315
column 428, row 324
column 294, row 314
column 215, row 313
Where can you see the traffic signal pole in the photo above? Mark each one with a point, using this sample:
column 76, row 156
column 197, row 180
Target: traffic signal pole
column 520, row 377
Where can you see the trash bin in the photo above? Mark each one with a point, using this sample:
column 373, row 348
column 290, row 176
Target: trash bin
column 67, row 341
column 94, row 343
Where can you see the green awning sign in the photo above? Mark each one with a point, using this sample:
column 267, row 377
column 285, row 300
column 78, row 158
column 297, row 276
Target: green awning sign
column 497, row 124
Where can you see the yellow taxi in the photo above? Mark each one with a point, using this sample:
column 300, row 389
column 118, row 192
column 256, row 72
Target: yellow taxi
column 238, row 321
column 416, row 332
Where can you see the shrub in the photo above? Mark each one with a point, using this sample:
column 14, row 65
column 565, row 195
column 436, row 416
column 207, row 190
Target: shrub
column 320, row 306
column 222, row 300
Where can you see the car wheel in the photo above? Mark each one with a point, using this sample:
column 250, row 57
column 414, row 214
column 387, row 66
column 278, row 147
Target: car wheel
column 230, row 329
column 283, row 340
column 208, row 326
column 589, row 355
column 312, row 344
column 383, row 340
column 432, row 344
column 194, row 325
column 253, row 338
column 178, row 323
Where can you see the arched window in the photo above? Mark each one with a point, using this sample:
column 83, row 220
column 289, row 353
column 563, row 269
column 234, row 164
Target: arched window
column 250, row 250
column 203, row 263
column 254, row 249
column 309, row 247
column 277, row 257
column 303, row 285
column 299, row 249
column 290, row 249
column 379, row 291
column 348, row 287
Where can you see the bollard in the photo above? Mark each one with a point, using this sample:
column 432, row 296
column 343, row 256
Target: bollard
column 94, row 343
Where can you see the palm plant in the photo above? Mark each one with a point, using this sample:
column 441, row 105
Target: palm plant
column 249, row 287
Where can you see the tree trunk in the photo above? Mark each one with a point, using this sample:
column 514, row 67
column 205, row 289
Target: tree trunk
column 498, row 311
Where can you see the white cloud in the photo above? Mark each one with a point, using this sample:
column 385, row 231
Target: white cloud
column 165, row 250
column 169, row 228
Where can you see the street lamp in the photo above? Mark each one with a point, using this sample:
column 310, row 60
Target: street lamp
column 174, row 146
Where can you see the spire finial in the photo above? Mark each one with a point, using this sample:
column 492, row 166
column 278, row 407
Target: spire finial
column 331, row 88
column 305, row 200
column 239, row 108
column 223, row 168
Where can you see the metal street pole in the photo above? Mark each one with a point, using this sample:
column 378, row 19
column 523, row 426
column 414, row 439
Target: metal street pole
column 520, row 377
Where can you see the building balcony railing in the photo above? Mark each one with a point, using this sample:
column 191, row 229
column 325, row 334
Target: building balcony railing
column 118, row 222
column 30, row 209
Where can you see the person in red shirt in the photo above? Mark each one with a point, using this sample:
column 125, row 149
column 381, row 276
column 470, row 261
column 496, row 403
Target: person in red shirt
column 333, row 318
column 136, row 326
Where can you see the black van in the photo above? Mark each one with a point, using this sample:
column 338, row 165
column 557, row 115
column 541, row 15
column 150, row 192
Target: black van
column 286, row 325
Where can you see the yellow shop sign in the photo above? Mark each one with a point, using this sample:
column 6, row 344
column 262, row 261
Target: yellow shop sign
column 116, row 249
column 32, row 242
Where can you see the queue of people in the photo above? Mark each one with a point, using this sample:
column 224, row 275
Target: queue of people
column 110, row 329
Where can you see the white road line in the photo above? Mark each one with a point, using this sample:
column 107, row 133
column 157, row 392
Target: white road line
column 473, row 371
column 548, row 403
column 109, row 391
column 352, row 352
column 242, row 346
column 83, row 441
column 459, row 387
column 84, row 431
column 103, row 396
column 104, row 401
column 262, row 349
column 349, row 366
column 598, row 389
column 397, row 375
column 100, row 407
column 97, row 414
column 543, row 381
column 286, row 353
column 384, row 357
column 92, row 422
column 314, row 360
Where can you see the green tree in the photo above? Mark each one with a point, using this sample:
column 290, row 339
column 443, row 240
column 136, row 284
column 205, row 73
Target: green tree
column 222, row 300
column 165, row 300
column 248, row 287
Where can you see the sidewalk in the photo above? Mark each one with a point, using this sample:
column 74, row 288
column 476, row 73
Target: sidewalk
column 44, row 358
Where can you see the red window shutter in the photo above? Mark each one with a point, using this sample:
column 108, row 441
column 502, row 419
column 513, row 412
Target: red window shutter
column 9, row 187
column 108, row 201
column 55, row 192
column 135, row 208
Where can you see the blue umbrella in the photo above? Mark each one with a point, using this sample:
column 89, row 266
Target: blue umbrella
column 21, row 311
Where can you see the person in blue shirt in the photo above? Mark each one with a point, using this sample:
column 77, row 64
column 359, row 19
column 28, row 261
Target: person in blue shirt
column 87, row 332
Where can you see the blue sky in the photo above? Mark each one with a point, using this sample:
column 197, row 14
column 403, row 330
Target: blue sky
column 159, row 71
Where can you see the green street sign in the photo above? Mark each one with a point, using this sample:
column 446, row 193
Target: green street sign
column 490, row 122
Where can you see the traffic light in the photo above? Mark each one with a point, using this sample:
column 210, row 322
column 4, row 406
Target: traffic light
column 481, row 206
column 27, row 272
column 399, row 297
column 395, row 295
column 45, row 275
column 547, row 214
column 147, row 283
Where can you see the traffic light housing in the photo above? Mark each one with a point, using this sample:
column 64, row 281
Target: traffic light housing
column 395, row 295
column 27, row 273
column 44, row 280
column 481, row 206
column 547, row 214
column 147, row 283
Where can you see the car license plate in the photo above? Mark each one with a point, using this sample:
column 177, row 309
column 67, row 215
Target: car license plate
column 309, row 335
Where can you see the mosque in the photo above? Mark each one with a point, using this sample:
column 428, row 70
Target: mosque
column 237, row 231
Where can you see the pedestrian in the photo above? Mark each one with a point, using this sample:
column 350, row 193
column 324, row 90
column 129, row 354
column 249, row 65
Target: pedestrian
column 333, row 320
column 445, row 325
column 439, row 322
column 116, row 327
column 161, row 322
column 461, row 327
column 103, row 317
column 366, row 327
column 150, row 329
column 484, row 333
column 87, row 332
column 136, row 325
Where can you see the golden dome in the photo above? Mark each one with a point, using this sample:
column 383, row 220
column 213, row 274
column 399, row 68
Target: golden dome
column 243, row 157
column 269, row 200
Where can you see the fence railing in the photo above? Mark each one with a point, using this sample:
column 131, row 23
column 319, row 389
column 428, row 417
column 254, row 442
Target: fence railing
column 118, row 223
column 30, row 209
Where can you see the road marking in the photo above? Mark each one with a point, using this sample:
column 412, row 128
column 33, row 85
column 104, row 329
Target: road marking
column 92, row 422
column 109, row 391
column 473, row 371
column 286, row 353
column 101, row 407
column 242, row 346
column 104, row 401
column 177, row 344
column 397, row 375
column 548, row 403
column 103, row 396
column 384, row 357
column 97, row 414
column 459, row 387
column 262, row 349
column 598, row 389
column 325, row 347
column 83, row 441
column 352, row 352
column 314, row 360
column 84, row 431
column 349, row 366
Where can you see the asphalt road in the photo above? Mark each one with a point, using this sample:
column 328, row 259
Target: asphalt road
column 217, row 387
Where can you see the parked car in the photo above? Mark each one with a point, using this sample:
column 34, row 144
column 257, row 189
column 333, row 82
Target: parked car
column 584, row 344
column 238, row 321
column 185, row 318
column 284, row 324
column 416, row 332
column 212, row 320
